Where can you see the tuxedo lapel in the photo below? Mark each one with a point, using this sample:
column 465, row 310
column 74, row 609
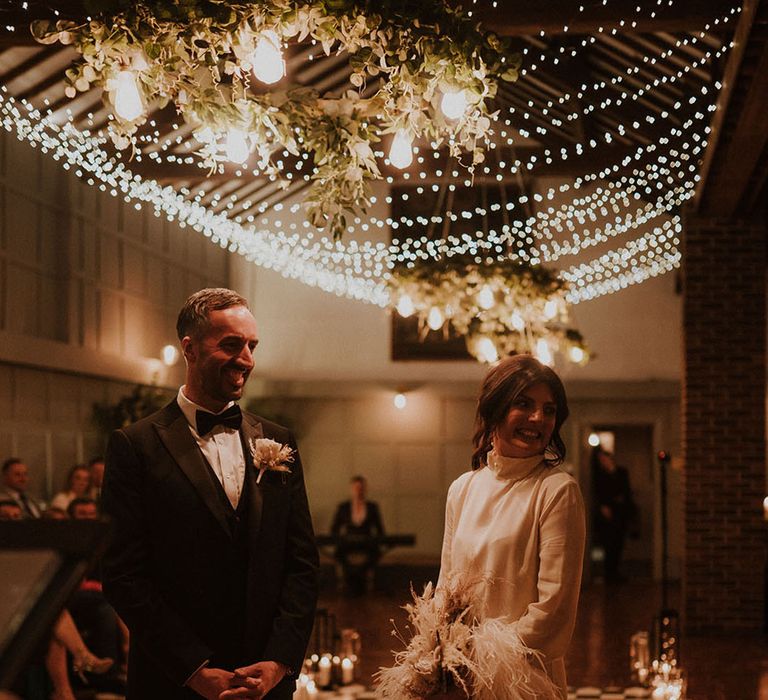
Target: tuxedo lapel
column 179, row 442
column 251, row 430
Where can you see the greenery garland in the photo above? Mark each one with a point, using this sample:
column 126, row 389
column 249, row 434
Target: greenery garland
column 195, row 53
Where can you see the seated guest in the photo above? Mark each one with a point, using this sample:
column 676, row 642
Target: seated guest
column 357, row 519
column 83, row 508
column 15, row 483
column 95, row 617
column 78, row 485
column 96, row 465
column 10, row 510
column 52, row 513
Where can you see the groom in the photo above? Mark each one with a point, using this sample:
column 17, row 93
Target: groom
column 213, row 565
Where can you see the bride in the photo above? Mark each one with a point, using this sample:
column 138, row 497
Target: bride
column 516, row 521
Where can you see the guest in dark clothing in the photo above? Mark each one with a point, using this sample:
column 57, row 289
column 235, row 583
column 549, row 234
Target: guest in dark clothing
column 613, row 509
column 356, row 520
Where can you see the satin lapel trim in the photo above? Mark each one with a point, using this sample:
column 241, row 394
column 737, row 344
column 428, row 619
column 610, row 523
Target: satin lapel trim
column 183, row 448
column 252, row 430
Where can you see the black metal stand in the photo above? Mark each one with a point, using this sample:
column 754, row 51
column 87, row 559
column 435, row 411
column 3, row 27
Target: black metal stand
column 666, row 630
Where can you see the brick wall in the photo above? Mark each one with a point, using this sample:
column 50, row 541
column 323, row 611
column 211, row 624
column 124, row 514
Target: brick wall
column 724, row 425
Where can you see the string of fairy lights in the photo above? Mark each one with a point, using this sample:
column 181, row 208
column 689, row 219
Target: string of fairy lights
column 359, row 270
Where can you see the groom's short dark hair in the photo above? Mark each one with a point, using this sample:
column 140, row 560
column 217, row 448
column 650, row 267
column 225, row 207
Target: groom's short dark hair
column 193, row 317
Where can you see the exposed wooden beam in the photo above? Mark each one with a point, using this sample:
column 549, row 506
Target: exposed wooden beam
column 733, row 151
column 553, row 16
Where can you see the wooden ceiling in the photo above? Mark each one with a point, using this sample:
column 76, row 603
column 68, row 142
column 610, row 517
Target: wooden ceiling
column 568, row 52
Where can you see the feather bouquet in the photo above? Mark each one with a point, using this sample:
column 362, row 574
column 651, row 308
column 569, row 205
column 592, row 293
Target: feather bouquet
column 450, row 647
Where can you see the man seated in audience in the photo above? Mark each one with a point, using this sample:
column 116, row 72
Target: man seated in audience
column 83, row 508
column 96, row 465
column 10, row 510
column 15, row 483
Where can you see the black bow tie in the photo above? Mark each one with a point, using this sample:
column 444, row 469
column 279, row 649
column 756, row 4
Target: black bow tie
column 231, row 418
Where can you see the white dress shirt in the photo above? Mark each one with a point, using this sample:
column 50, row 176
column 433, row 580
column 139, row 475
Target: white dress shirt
column 222, row 448
column 521, row 524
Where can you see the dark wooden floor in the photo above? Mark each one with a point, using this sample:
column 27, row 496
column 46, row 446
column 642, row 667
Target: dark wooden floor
column 717, row 668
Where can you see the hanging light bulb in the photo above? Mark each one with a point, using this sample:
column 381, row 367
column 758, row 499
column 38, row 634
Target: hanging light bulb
column 518, row 322
column 435, row 319
column 267, row 58
column 550, row 309
column 405, row 306
column 236, row 146
column 576, row 354
column 169, row 355
column 400, row 401
column 454, row 104
column 594, row 439
column 543, row 352
column 485, row 297
column 401, row 151
column 485, row 350
column 127, row 97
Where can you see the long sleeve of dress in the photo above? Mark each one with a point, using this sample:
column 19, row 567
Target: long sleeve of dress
column 445, row 555
column 547, row 623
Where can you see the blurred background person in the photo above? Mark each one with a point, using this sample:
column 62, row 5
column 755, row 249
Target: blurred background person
column 355, row 523
column 96, row 465
column 613, row 510
column 10, row 510
column 15, row 484
column 78, row 485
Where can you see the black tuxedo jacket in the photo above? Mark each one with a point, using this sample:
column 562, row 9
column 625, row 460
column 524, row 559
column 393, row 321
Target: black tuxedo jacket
column 195, row 579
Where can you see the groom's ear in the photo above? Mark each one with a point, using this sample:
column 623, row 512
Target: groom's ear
column 188, row 348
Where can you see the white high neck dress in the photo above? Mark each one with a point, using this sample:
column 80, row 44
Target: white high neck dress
column 520, row 524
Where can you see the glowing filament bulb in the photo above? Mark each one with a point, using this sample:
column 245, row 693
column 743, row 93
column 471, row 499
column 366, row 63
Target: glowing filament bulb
column 485, row 297
column 518, row 322
column 237, row 146
column 594, row 439
column 435, row 318
column 400, row 402
column 401, row 151
column 550, row 309
column 267, row 58
column 543, row 352
column 405, row 306
column 128, row 103
column 576, row 354
column 486, row 350
column 454, row 104
column 169, row 355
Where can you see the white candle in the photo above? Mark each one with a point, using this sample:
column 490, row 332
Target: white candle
column 323, row 677
column 347, row 671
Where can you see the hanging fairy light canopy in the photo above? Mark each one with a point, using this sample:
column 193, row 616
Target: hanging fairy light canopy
column 499, row 309
column 604, row 131
column 434, row 69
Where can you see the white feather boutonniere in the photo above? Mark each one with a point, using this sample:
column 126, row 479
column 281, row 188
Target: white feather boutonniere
column 270, row 456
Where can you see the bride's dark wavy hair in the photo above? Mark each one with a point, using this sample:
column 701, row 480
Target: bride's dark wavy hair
column 505, row 381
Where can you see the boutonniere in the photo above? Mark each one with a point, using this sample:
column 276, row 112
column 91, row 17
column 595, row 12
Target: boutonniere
column 269, row 455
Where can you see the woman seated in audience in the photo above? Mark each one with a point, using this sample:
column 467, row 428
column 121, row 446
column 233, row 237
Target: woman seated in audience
column 78, row 486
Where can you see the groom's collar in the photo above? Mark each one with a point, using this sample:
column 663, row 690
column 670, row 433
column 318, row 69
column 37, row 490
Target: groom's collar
column 190, row 408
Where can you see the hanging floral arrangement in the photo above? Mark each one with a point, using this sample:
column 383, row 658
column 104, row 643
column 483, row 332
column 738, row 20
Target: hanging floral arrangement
column 434, row 70
column 500, row 308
